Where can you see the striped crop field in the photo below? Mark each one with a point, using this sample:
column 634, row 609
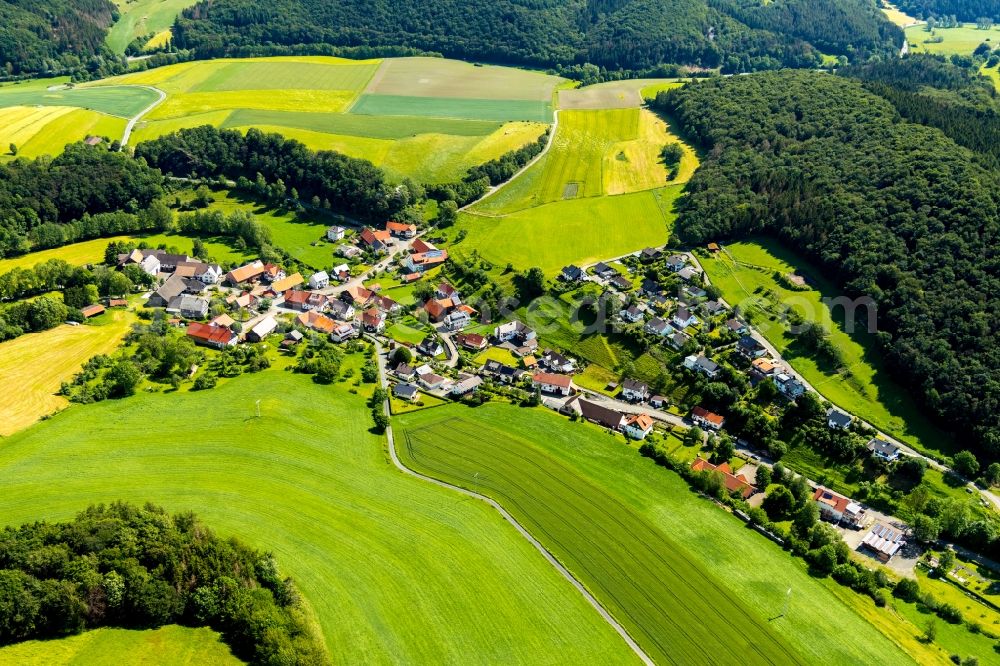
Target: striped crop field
column 445, row 107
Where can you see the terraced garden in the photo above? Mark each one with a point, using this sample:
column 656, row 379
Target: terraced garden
column 395, row 569
column 689, row 581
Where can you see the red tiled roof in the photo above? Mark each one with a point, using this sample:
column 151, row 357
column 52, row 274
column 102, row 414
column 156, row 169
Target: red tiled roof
column 552, row 379
column 420, row 246
column 399, row 226
column 711, row 417
column 473, row 340
column 369, row 236
column 92, row 310
column 372, row 317
column 831, row 499
column 248, row 272
column 317, row 321
column 733, row 483
column 209, row 333
column 436, row 308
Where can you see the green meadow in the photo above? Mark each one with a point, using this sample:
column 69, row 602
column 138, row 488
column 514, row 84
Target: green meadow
column 395, row 569
column 444, row 107
column 167, row 646
column 963, row 40
column 142, row 17
column 748, row 275
column 121, row 101
column 691, row 582
column 369, row 126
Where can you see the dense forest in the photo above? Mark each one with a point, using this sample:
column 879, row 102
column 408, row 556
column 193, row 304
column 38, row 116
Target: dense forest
column 965, row 10
column 349, row 184
column 126, row 566
column 933, row 91
column 53, row 36
column 891, row 210
column 634, row 35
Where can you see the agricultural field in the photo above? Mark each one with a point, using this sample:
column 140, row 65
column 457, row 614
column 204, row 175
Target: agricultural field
column 746, row 274
column 78, row 254
column 37, row 363
column 46, row 130
column 113, row 100
column 578, row 230
column 613, row 94
column 425, row 118
column 898, row 17
column 142, row 17
column 962, row 41
column 395, row 569
column 648, row 540
column 167, row 646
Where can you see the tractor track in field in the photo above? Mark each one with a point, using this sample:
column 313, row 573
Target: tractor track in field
column 549, row 557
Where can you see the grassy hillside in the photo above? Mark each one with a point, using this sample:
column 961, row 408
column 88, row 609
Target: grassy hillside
column 962, row 41
column 142, row 17
column 650, row 520
column 167, row 646
column 395, row 569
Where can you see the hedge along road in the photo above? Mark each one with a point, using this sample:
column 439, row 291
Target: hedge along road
column 510, row 519
column 137, row 117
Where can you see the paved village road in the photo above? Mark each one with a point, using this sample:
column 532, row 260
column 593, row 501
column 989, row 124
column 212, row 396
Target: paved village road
column 137, row 117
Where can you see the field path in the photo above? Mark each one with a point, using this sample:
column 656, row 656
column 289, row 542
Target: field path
column 137, row 117
column 510, row 519
column 493, row 190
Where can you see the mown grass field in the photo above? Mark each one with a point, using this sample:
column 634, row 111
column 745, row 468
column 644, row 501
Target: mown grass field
column 898, row 17
column 121, row 101
column 396, row 570
column 37, row 363
column 962, row 40
column 575, row 231
column 693, row 583
column 613, row 94
column 171, row 645
column 439, row 77
column 373, row 127
column 864, row 389
column 594, row 153
column 141, row 17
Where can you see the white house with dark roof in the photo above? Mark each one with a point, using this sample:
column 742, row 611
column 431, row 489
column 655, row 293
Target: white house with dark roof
column 883, row 450
column 837, row 419
column 634, row 391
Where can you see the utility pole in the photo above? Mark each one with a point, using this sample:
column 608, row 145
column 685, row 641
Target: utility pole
column 788, row 598
column 258, row 415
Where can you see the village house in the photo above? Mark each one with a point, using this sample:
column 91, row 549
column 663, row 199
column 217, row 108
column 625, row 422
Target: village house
column 658, row 402
column 166, row 292
column 404, row 371
column 602, row 270
column 199, row 270
column 883, row 450
column 683, row 318
column 714, row 308
column 446, row 292
column 343, row 332
column 750, row 347
column 162, row 261
column 401, row 230
column 637, row 426
column 736, row 326
column 421, row 262
column 621, row 283
column 789, row 386
column 649, row 254
column 386, row 304
column 603, row 416
column 247, row 274
column 407, row 392
column 675, row 263
column 501, row 372
column 223, row 320
column 357, row 296
column 303, row 300
column 438, row 308
column 557, row 362
column 217, row 337
column 262, row 329
column 688, row 274
column 633, row 390
column 631, row 314
column 838, row 509
column 678, row 340
column 430, row 346
column 837, row 419
column 571, row 274
column 548, row 382
column 335, row 233
column 735, row 483
column 348, row 251
column 466, row 384
column 513, row 331
column 707, row 419
column 377, row 241
column 764, row 367
column 701, row 364
column 284, row 284
column 430, row 380
column 458, row 318
column 317, row 322
column 373, row 320
column 883, row 541
column 320, row 280
column 340, row 310
column 471, row 341
column 190, row 307
column 342, row 272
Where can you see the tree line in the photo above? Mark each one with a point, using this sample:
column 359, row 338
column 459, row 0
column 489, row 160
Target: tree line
column 888, row 209
column 59, row 579
column 966, row 10
column 617, row 35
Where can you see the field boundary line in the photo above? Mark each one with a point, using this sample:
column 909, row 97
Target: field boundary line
column 549, row 557
column 496, row 188
column 137, row 117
